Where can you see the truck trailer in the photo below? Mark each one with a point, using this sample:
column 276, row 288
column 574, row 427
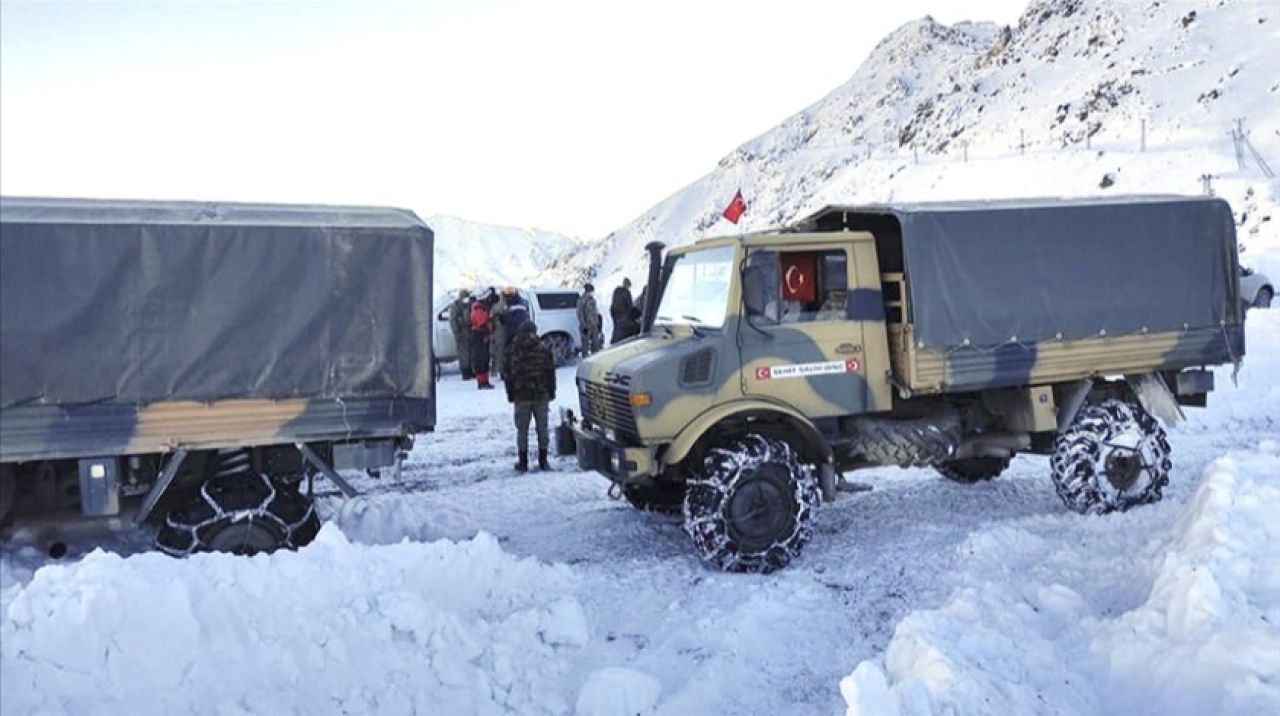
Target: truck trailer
column 945, row 335
column 193, row 366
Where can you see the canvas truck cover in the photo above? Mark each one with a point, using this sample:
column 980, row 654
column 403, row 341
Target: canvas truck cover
column 140, row 301
column 987, row 274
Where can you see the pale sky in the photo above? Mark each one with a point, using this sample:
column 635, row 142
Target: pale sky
column 566, row 115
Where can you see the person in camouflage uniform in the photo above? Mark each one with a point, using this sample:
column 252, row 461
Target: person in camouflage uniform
column 460, row 324
column 530, row 371
column 497, row 341
column 589, row 322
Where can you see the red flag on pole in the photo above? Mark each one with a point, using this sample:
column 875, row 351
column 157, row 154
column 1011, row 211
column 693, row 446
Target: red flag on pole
column 736, row 208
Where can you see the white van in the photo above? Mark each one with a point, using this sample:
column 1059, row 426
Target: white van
column 554, row 310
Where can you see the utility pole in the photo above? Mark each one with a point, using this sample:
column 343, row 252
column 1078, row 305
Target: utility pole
column 1144, row 136
column 1022, row 141
column 1206, row 184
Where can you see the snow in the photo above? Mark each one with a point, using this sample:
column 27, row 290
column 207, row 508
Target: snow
column 615, row 691
column 1203, row 636
column 469, row 253
column 436, row 628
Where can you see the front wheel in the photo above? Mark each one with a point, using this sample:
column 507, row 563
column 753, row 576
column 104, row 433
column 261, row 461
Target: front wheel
column 1114, row 456
column 243, row 514
column 750, row 505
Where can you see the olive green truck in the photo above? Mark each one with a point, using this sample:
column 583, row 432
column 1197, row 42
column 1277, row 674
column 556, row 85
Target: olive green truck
column 193, row 366
column 951, row 336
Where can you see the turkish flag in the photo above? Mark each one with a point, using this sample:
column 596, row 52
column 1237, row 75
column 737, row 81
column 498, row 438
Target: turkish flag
column 736, row 208
column 799, row 274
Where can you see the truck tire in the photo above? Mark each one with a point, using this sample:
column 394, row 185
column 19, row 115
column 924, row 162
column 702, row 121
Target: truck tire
column 750, row 505
column 974, row 469
column 244, row 514
column 666, row 498
column 1113, row 456
column 907, row 443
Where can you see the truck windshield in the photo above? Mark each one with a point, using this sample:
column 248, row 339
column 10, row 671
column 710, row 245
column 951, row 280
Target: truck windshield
column 697, row 292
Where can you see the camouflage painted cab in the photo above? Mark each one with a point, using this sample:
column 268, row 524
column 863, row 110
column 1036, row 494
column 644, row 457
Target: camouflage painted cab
column 946, row 335
column 191, row 364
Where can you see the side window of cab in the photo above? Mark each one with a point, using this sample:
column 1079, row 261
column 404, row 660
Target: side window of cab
column 798, row 286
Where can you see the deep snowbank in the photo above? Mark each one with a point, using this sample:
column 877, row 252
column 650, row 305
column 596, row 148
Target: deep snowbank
column 428, row 628
column 1187, row 624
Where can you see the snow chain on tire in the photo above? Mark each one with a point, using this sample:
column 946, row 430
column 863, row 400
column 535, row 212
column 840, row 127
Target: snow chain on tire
column 714, row 502
column 1114, row 456
column 269, row 505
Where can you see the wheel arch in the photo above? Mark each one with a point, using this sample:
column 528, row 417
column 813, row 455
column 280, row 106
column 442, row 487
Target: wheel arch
column 750, row 416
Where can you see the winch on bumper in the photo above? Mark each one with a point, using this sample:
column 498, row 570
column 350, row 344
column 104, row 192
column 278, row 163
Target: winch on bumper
column 620, row 463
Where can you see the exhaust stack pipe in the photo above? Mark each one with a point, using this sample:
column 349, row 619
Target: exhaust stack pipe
column 651, row 288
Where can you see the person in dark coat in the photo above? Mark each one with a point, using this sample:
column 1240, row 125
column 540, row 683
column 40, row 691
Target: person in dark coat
column 481, row 330
column 623, row 312
column 530, row 371
column 589, row 321
column 514, row 316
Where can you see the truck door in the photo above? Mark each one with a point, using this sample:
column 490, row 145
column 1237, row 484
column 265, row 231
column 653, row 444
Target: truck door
column 809, row 350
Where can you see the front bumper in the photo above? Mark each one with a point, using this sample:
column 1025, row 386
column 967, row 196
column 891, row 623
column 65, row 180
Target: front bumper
column 619, row 463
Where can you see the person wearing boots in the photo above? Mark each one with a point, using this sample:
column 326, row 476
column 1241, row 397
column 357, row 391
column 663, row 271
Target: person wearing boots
column 530, row 372
column 481, row 331
column 460, row 325
column 589, row 321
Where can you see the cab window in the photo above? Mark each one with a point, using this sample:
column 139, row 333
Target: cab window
column 802, row 286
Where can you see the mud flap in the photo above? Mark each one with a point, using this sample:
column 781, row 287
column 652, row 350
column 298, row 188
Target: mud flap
column 1156, row 398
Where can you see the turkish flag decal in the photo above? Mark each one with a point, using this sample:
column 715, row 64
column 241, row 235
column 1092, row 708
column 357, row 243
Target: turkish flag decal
column 799, row 272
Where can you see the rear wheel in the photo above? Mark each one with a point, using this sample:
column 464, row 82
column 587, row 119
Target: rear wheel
column 244, row 514
column 750, row 505
column 561, row 347
column 1113, row 456
column 974, row 469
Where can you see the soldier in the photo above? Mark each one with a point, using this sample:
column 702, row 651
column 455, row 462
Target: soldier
column 460, row 324
column 481, row 330
column 589, row 321
column 530, row 372
column 622, row 311
column 497, row 340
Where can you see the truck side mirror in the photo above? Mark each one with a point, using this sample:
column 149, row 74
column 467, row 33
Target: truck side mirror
column 754, row 293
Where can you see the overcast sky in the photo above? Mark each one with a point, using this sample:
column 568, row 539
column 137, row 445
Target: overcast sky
column 564, row 115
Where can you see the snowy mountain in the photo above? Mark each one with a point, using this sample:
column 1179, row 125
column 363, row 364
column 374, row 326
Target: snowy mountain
column 474, row 254
column 1082, row 97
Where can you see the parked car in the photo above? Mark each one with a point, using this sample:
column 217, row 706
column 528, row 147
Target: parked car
column 1256, row 290
column 555, row 310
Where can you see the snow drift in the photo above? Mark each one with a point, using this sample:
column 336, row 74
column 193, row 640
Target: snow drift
column 438, row 628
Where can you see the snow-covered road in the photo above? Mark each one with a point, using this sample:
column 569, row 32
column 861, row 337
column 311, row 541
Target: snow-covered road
column 984, row 599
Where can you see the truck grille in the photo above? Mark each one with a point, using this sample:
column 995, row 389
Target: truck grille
column 609, row 406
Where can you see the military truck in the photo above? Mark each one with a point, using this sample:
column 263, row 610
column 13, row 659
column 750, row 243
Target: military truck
column 952, row 336
column 193, row 366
